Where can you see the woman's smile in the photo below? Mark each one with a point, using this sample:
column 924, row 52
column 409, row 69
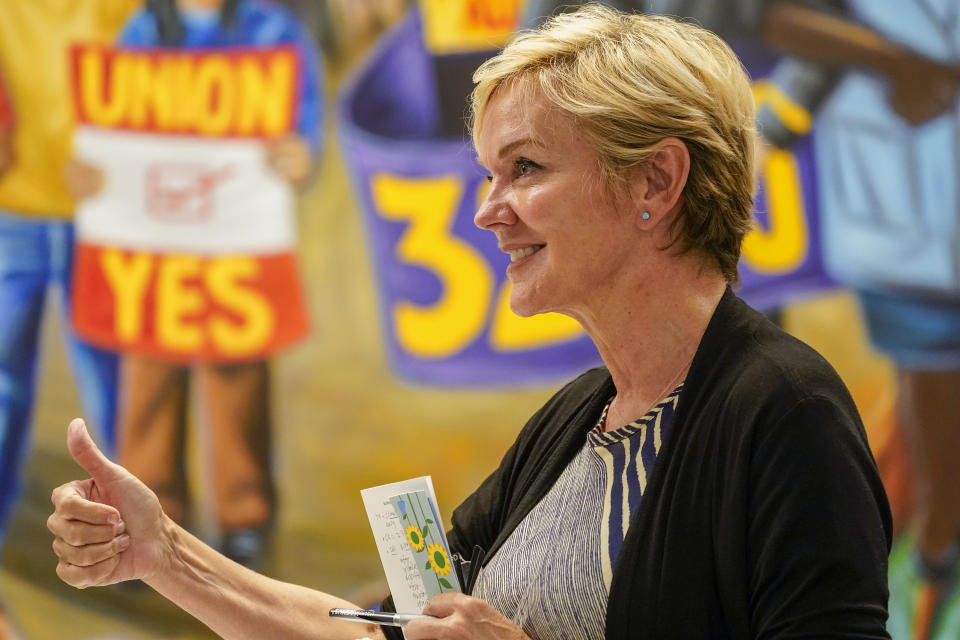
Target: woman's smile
column 519, row 254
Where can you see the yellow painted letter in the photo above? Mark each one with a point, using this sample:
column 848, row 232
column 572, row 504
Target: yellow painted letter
column 430, row 204
column 128, row 279
column 152, row 93
column 224, row 279
column 784, row 247
column 104, row 106
column 215, row 96
column 177, row 299
column 267, row 95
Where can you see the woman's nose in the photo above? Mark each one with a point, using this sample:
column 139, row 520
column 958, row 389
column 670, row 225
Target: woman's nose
column 493, row 210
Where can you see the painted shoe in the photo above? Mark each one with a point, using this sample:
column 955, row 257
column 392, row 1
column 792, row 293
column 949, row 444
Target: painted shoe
column 938, row 582
column 245, row 546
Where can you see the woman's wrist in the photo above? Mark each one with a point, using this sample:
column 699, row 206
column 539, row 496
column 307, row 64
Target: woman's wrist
column 170, row 559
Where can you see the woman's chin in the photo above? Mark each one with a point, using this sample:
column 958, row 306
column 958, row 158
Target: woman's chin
column 524, row 304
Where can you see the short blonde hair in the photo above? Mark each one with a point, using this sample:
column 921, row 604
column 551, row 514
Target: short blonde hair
column 628, row 82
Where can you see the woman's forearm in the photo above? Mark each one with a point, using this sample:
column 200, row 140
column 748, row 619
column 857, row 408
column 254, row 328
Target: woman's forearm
column 238, row 603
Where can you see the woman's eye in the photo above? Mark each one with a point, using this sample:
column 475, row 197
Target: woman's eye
column 523, row 167
column 489, row 178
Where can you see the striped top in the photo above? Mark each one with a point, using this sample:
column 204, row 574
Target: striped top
column 552, row 575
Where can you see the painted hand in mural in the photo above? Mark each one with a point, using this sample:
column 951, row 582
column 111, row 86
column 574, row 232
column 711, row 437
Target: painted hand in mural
column 83, row 179
column 109, row 527
column 922, row 89
column 290, row 157
column 461, row 616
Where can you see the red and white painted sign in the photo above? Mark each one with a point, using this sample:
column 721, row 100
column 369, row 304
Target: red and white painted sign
column 187, row 252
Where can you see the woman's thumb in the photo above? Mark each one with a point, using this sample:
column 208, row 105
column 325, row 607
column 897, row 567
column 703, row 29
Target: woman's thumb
column 86, row 453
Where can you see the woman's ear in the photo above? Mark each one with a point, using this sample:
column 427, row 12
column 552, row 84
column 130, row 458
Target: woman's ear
column 656, row 185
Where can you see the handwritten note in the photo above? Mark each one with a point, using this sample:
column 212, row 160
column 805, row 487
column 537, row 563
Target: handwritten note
column 404, row 575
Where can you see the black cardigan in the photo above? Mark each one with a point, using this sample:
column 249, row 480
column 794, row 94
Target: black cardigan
column 764, row 516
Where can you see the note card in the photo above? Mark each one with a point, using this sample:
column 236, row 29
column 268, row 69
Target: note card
column 426, row 542
column 411, row 541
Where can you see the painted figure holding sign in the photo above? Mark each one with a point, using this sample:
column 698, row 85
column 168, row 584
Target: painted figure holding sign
column 192, row 133
column 37, row 225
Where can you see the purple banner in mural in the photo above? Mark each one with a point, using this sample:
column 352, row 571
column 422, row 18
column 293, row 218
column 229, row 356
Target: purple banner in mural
column 442, row 281
column 781, row 258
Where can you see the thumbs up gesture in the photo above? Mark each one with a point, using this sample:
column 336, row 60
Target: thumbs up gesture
column 109, row 527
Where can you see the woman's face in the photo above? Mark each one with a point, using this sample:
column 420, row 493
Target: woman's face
column 567, row 234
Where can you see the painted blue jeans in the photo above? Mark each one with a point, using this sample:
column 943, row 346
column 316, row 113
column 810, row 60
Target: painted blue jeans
column 34, row 254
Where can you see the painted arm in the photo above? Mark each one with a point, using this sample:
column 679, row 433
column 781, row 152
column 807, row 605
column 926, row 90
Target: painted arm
column 920, row 88
column 294, row 156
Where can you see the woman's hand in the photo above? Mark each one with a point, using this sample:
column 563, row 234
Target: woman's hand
column 108, row 528
column 461, row 617
column 84, row 180
column 290, row 157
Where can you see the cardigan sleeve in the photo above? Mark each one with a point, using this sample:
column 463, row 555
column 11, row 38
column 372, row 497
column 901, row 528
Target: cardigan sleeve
column 819, row 528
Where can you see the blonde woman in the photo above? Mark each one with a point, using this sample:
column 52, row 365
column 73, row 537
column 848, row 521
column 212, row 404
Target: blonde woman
column 711, row 481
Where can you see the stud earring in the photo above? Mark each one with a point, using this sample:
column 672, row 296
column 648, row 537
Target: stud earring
column 645, row 215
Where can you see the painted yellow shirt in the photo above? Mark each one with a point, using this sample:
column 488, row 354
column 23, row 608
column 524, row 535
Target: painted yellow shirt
column 35, row 36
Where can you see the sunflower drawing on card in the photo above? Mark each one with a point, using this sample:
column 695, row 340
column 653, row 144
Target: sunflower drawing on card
column 426, row 541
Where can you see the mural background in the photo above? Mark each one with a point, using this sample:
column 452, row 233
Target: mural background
column 345, row 420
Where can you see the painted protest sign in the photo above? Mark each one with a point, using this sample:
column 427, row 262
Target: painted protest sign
column 187, row 252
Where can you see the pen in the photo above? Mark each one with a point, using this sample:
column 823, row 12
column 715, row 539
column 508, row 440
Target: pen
column 476, row 559
column 462, row 567
column 378, row 617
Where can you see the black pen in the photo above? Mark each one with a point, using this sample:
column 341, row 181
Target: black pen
column 378, row 617
column 476, row 559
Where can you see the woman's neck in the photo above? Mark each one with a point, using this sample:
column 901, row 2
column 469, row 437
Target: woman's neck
column 648, row 332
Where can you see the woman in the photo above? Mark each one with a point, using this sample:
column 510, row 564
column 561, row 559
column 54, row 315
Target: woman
column 620, row 157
